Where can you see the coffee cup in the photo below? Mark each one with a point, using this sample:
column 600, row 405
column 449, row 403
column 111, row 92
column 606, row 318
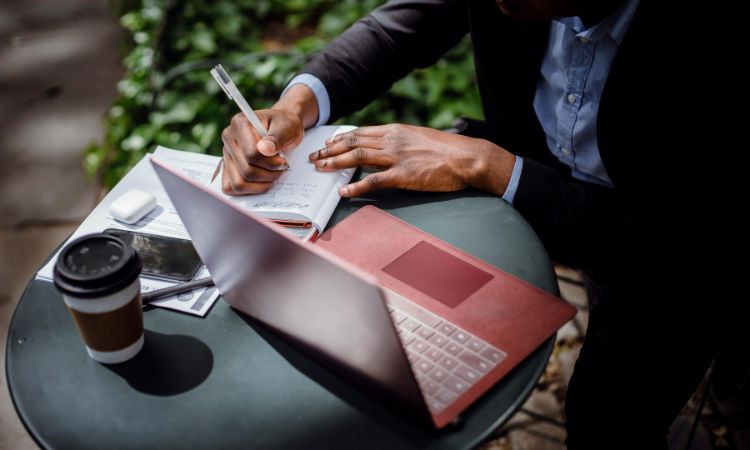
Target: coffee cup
column 98, row 277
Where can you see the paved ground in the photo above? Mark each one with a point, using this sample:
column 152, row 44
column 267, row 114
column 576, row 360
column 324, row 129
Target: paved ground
column 59, row 63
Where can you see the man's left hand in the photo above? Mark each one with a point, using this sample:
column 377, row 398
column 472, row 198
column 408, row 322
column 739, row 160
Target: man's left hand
column 416, row 158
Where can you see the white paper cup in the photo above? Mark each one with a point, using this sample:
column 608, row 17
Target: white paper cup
column 98, row 276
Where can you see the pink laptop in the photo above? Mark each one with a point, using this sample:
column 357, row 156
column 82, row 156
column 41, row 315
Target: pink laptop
column 409, row 318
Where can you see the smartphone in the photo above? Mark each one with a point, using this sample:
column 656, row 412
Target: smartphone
column 163, row 257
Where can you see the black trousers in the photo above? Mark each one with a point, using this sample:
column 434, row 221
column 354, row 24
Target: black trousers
column 646, row 350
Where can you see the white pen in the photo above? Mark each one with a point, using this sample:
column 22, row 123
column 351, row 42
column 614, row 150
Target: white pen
column 227, row 85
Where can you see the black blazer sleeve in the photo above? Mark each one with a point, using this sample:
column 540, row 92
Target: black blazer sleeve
column 580, row 224
column 383, row 47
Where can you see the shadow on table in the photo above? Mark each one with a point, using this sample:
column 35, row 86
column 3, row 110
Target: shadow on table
column 168, row 364
column 396, row 421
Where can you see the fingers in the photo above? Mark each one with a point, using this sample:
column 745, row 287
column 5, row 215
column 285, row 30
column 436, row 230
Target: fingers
column 240, row 140
column 241, row 131
column 353, row 149
column 250, row 172
column 354, row 158
column 378, row 180
column 345, row 142
column 256, row 181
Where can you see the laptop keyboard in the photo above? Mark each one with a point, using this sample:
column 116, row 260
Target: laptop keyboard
column 447, row 360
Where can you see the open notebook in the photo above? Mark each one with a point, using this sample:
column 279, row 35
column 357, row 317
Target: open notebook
column 303, row 199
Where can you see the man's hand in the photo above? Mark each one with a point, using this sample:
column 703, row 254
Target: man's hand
column 416, row 158
column 252, row 164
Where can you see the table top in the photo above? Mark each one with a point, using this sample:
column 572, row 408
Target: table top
column 224, row 381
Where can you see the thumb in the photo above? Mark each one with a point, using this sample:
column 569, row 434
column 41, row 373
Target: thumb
column 268, row 145
column 282, row 134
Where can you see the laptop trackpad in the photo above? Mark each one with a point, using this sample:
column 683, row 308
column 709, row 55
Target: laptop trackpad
column 438, row 274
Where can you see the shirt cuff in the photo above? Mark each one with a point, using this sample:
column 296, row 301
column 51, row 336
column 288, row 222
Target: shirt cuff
column 510, row 191
column 320, row 92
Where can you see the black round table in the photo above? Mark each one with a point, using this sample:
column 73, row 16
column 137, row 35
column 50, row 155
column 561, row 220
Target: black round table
column 224, row 381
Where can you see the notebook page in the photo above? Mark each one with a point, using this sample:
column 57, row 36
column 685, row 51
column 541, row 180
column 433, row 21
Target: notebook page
column 302, row 193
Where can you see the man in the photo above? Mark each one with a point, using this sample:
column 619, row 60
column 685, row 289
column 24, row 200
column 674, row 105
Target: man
column 589, row 135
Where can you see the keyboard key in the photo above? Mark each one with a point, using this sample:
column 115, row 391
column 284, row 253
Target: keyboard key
column 446, row 396
column 467, row 374
column 418, row 346
column 457, row 385
column 433, row 354
column 412, row 357
column 493, row 354
column 474, row 361
column 429, row 386
column 438, row 374
column 398, row 316
column 475, row 344
column 410, row 324
column 425, row 332
column 453, row 348
column 460, row 336
column 438, row 340
column 406, row 338
column 448, row 363
column 435, row 405
column 424, row 366
column 446, row 328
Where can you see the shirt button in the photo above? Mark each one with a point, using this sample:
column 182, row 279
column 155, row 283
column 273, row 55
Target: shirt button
column 583, row 40
column 566, row 151
column 572, row 98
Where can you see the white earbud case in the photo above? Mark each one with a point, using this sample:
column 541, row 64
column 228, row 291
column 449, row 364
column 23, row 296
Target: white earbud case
column 132, row 206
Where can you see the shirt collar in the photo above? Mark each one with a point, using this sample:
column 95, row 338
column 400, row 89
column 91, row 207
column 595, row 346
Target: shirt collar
column 614, row 25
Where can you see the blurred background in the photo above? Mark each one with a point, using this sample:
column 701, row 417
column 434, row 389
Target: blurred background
column 87, row 87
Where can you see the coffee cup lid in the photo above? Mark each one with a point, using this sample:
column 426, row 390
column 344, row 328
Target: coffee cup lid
column 96, row 265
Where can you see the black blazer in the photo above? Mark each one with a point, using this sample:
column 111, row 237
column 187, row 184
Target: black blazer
column 650, row 128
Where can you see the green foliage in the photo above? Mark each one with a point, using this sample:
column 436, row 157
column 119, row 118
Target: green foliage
column 168, row 97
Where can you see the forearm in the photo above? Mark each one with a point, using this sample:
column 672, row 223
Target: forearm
column 300, row 101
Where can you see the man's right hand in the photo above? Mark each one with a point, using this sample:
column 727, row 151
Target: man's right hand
column 252, row 164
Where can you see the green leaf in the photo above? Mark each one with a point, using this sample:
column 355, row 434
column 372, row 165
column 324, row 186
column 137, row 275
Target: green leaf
column 229, row 27
column 132, row 21
column 205, row 134
column 138, row 139
column 442, row 120
column 265, row 69
column 180, row 112
column 203, row 40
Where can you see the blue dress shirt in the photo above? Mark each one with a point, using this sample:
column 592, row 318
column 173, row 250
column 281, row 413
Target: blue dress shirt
column 321, row 95
column 573, row 74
